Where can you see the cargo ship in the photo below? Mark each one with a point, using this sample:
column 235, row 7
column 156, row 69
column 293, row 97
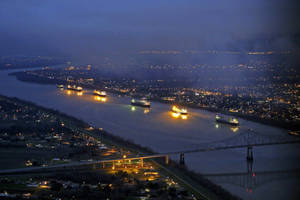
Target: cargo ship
column 99, row 93
column 143, row 102
column 60, row 86
column 179, row 112
column 227, row 120
column 297, row 133
column 74, row 88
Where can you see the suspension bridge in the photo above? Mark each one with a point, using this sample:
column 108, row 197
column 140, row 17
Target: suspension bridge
column 248, row 139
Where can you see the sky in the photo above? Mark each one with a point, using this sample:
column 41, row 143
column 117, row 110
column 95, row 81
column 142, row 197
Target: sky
column 94, row 27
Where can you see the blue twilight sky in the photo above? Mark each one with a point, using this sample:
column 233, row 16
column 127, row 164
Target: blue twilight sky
column 91, row 27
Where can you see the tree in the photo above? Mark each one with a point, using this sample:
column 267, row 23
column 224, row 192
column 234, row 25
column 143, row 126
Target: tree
column 55, row 186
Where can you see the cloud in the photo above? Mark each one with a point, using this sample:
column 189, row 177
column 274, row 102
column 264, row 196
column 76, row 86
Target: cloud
column 73, row 27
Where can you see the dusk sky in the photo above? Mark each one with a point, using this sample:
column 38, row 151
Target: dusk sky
column 77, row 27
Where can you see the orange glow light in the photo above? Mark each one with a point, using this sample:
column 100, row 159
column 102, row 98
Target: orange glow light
column 184, row 117
column 175, row 115
column 102, row 99
column 146, row 111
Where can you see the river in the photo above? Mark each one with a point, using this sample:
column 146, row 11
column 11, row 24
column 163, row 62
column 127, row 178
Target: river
column 161, row 132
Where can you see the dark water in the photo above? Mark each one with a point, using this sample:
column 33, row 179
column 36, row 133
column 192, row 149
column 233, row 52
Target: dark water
column 163, row 133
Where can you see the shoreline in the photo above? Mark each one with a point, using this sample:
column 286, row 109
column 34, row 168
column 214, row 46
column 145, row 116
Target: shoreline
column 288, row 126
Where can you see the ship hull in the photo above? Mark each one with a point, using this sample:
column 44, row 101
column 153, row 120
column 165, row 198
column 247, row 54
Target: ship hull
column 181, row 113
column 226, row 122
column 76, row 90
column 99, row 95
column 140, row 104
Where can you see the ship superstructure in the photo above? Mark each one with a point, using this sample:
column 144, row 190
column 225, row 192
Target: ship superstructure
column 99, row 93
column 179, row 112
column 227, row 120
column 74, row 88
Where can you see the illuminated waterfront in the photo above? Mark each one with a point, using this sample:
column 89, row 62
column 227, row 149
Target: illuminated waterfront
column 156, row 128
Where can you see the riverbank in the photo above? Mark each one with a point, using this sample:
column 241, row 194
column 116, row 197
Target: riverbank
column 290, row 126
column 205, row 186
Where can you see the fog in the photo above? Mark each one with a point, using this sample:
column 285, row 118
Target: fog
column 89, row 30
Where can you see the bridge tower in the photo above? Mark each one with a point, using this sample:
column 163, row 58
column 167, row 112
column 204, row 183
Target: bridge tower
column 249, row 166
column 181, row 159
column 167, row 159
column 249, row 153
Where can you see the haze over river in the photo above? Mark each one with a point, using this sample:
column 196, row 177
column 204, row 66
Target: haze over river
column 161, row 132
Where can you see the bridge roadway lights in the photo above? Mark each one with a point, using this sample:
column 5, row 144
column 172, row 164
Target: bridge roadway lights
column 249, row 153
column 181, row 160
